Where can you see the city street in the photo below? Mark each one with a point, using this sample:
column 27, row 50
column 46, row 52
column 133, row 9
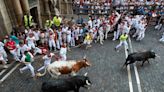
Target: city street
column 106, row 71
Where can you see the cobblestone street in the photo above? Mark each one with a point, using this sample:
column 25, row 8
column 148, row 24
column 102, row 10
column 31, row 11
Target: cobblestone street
column 106, row 72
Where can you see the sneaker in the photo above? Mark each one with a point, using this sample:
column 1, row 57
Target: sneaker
column 101, row 43
column 20, row 71
column 5, row 66
column 113, row 39
column 116, row 49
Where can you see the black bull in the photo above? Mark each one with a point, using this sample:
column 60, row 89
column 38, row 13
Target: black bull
column 140, row 56
column 64, row 85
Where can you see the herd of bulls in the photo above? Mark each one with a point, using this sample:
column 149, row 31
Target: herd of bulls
column 74, row 83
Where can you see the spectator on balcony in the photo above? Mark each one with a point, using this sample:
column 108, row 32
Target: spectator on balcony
column 86, row 6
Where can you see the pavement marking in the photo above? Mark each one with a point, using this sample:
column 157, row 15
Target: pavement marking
column 129, row 72
column 4, row 70
column 135, row 68
column 7, row 75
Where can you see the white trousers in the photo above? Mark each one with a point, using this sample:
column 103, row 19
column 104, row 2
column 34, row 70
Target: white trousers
column 72, row 41
column 58, row 44
column 15, row 54
column 37, row 51
column 88, row 42
column 68, row 39
column 118, row 33
column 63, row 57
column 31, row 45
column 101, row 37
column 136, row 33
column 122, row 43
column 106, row 32
column 141, row 35
column 46, row 63
column 29, row 66
column 52, row 44
column 114, row 38
column 4, row 54
column 162, row 39
column 94, row 35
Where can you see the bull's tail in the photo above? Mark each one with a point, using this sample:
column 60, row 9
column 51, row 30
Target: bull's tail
column 40, row 75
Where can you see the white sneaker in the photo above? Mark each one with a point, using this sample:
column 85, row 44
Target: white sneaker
column 20, row 71
column 113, row 39
column 5, row 66
column 156, row 27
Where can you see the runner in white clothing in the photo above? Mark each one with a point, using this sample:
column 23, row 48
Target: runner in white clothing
column 3, row 55
column 51, row 42
column 31, row 41
column 47, row 60
column 63, row 53
column 22, row 48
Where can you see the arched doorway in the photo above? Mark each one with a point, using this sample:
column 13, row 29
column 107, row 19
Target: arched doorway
column 34, row 14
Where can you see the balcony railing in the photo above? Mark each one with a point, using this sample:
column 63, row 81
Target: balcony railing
column 105, row 9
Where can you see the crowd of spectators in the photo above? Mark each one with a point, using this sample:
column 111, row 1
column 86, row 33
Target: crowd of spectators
column 104, row 6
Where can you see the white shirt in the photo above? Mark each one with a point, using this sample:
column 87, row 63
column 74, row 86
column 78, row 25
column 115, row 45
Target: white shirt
column 30, row 39
column 91, row 30
column 36, row 34
column 63, row 51
column 24, row 48
column 68, row 33
column 47, row 58
column 1, row 46
column 90, row 23
column 64, row 29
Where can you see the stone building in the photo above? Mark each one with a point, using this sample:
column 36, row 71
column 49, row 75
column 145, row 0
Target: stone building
column 12, row 12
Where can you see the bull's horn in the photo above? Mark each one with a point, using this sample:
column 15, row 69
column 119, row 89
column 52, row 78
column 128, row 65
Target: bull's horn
column 157, row 55
column 88, row 63
column 84, row 57
column 38, row 74
column 86, row 74
column 87, row 82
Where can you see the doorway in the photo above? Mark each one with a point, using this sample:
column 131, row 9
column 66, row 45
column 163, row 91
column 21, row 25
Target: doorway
column 34, row 14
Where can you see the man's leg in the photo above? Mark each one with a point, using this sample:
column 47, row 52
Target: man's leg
column 117, row 34
column 58, row 44
column 120, row 44
column 24, row 68
column 136, row 33
column 31, row 69
column 41, row 68
column 54, row 45
column 50, row 44
column 139, row 36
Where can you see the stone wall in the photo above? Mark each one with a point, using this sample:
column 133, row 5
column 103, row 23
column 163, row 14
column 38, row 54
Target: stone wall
column 5, row 23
